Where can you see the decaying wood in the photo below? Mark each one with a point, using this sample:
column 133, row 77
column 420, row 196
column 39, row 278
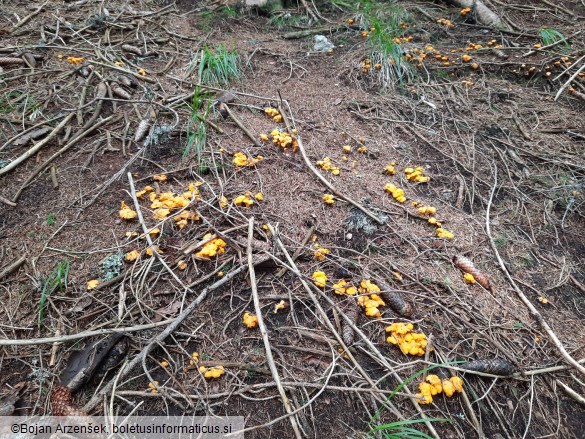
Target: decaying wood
column 14, row 266
column 483, row 14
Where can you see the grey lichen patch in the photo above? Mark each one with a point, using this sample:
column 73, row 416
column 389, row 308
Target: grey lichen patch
column 359, row 221
column 112, row 266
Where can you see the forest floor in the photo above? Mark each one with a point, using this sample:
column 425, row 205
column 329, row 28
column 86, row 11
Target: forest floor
column 506, row 162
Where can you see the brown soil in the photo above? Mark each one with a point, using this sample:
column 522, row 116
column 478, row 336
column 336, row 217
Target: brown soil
column 503, row 136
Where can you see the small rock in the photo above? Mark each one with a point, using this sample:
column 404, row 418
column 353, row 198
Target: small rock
column 322, row 44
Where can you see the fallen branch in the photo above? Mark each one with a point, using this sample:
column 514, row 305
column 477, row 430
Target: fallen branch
column 32, row 151
column 483, row 14
column 69, row 144
column 28, row 17
column 97, row 398
column 573, row 76
column 87, row 334
column 6, row 201
column 264, row 333
column 571, row 392
column 537, row 316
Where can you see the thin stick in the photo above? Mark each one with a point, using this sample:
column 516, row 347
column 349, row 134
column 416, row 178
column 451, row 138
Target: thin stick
column 32, row 151
column 269, row 358
column 97, row 398
column 571, row 392
column 5, row 201
column 573, row 76
column 12, row 267
column 537, row 316
column 225, row 107
column 28, row 17
column 70, row 337
column 563, row 40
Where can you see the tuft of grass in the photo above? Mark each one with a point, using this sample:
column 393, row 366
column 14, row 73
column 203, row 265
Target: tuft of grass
column 551, row 36
column 57, row 280
column 50, row 219
column 218, row 67
column 196, row 128
column 385, row 21
column 402, row 429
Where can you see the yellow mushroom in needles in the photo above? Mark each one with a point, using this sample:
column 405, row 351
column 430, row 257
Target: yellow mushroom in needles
column 212, row 248
column 126, row 212
column 320, row 252
column 242, row 160
column 434, row 385
column 416, row 174
column 243, row 200
column 328, row 198
column 444, row 233
column 250, row 320
column 132, row 256
column 327, row 165
column 212, row 372
column 410, row 342
column 92, row 284
column 319, row 278
column 396, row 192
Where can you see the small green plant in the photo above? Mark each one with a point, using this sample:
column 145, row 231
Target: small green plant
column 552, row 36
column 197, row 128
column 50, row 219
column 502, row 239
column 57, row 280
column 218, row 67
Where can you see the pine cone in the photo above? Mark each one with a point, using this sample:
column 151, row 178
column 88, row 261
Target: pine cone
column 347, row 332
column 393, row 298
column 62, row 403
column 493, row 366
column 467, row 266
column 397, row 303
